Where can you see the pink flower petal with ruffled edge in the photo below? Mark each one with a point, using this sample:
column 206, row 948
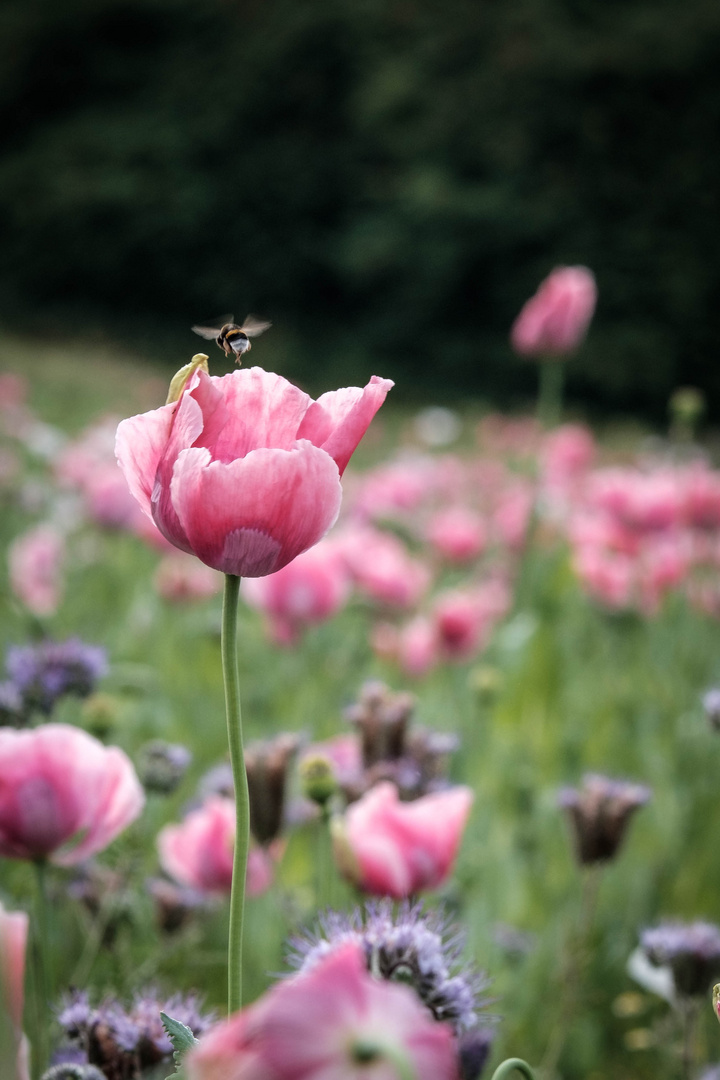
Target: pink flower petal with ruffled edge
column 403, row 848
column 140, row 443
column 263, row 411
column 337, row 421
column 253, row 515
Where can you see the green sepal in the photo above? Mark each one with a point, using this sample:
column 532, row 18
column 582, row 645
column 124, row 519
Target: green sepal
column 178, row 381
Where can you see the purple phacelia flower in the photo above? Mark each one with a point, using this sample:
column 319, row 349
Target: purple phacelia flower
column 46, row 672
column 12, row 706
column 600, row 812
column 690, row 950
column 122, row 1041
column 405, row 945
column 711, row 705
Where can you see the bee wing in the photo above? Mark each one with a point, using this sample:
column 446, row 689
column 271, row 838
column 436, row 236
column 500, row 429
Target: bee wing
column 206, row 332
column 253, row 327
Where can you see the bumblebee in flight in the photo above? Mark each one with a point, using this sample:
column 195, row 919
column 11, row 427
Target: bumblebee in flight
column 234, row 340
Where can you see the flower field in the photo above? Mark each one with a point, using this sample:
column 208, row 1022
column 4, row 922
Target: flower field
column 485, row 690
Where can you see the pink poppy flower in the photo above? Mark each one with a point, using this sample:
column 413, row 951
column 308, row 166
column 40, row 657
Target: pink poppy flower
column 458, row 533
column 13, row 942
column 554, row 321
column 336, row 1021
column 313, row 588
column 244, row 471
column 179, row 578
column 63, row 795
column 382, row 568
column 199, row 851
column 36, row 569
column 391, row 848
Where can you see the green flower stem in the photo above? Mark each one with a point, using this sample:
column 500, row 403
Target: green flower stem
column 550, row 392
column 506, row 1067
column 42, row 969
column 231, row 682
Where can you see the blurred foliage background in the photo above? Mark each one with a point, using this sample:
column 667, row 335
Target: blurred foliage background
column 387, row 180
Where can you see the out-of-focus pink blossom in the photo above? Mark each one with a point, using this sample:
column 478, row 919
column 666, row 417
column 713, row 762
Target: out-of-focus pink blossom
column 382, row 568
column 512, row 514
column 417, row 649
column 36, row 569
column 63, row 795
column 180, row 578
column 390, row 848
column 398, row 487
column 13, row 944
column 311, row 589
column 567, row 454
column 463, row 618
column 199, row 851
column 335, row 1022
column 458, row 533
column 509, row 437
column 554, row 321
column 701, row 498
column 244, row 470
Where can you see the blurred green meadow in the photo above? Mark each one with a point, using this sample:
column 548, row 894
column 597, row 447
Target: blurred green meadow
column 562, row 688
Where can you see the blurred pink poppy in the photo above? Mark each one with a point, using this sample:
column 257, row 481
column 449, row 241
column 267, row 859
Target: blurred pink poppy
column 335, row 1021
column 36, row 569
column 390, row 848
column 244, row 470
column 13, row 943
column 179, row 578
column 555, row 320
column 199, row 851
column 63, row 795
column 311, row 589
column 382, row 568
column 458, row 533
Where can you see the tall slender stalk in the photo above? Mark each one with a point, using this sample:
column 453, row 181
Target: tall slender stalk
column 231, row 682
column 550, row 392
column 574, row 970
column 41, row 1050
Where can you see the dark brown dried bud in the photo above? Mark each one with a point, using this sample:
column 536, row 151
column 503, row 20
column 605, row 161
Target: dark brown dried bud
column 175, row 904
column 267, row 764
column 600, row 813
column 382, row 719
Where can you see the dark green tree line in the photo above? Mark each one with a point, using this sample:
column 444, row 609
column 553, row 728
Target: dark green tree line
column 390, row 181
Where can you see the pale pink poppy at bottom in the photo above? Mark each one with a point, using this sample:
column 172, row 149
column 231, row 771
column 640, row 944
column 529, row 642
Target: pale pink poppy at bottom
column 308, row 1027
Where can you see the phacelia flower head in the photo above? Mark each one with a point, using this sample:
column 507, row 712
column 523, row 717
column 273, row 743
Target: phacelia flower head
column 599, row 813
column 123, row 1040
column 244, row 470
column 46, row 672
column 711, row 705
column 403, row 944
column 690, row 950
column 388, row 746
column 162, row 766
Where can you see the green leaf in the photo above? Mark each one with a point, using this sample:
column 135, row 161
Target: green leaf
column 181, row 1038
